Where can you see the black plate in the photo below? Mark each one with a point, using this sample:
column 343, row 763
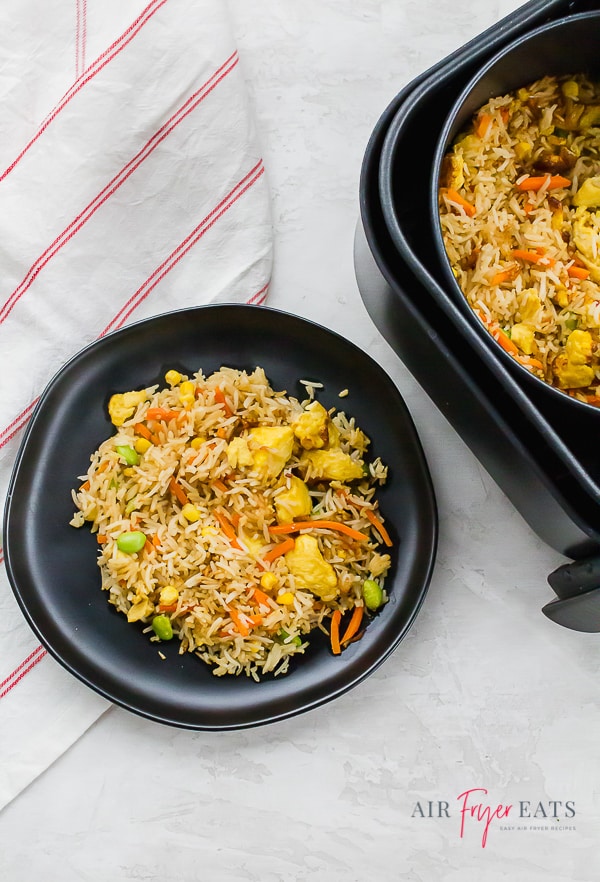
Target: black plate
column 52, row 567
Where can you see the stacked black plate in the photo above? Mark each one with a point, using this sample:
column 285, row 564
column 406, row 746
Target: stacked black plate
column 541, row 450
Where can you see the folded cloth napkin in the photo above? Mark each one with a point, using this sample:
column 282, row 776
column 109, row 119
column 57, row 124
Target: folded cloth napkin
column 131, row 184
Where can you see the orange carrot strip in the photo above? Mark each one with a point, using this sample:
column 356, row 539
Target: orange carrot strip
column 101, row 538
column 593, row 399
column 353, row 625
column 334, row 633
column 220, row 398
column 323, row 525
column 178, row 491
column 577, row 272
column 371, row 516
column 219, row 485
column 85, row 485
column 160, row 413
column 167, row 607
column 156, row 541
column 280, row 549
column 261, row 597
column 255, row 620
column 103, row 466
column 506, row 275
column 528, row 361
column 483, row 124
column 455, row 197
column 505, row 342
column 144, row 431
column 148, row 546
column 533, row 257
column 536, row 183
column 227, row 528
column 237, row 621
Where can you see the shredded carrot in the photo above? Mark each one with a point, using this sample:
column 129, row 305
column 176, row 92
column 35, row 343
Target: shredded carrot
column 237, row 621
column 505, row 114
column 483, row 124
column 178, row 491
column 85, row 485
column 220, row 398
column 148, row 546
column 160, row 413
column 103, row 466
column 505, row 342
column 353, row 625
column 577, row 272
column 144, row 431
column 101, row 538
column 528, row 361
column 222, row 432
column 593, row 399
column 227, row 528
column 282, row 548
column 255, row 620
column 536, row 256
column 334, row 633
column 528, row 207
column 156, row 541
column 536, row 183
column 506, row 275
column 219, row 485
column 261, row 597
column 234, row 517
column 371, row 516
column 321, row 525
column 457, row 199
column 167, row 607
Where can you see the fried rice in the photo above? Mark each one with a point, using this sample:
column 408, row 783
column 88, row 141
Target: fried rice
column 236, row 519
column 520, row 216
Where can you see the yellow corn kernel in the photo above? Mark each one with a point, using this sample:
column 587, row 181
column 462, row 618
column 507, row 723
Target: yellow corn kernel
column 197, row 442
column 142, row 445
column 129, row 472
column 208, row 531
column 287, row 598
column 190, row 512
column 187, row 393
column 570, row 89
column 173, row 378
column 523, row 149
column 140, row 610
column 268, row 581
column 169, row 595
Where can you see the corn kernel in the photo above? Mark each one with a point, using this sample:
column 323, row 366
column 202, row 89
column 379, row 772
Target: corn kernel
column 190, row 512
column 197, row 442
column 173, row 378
column 129, row 472
column 268, row 581
column 187, row 392
column 208, row 531
column 169, row 595
column 287, row 598
column 142, row 445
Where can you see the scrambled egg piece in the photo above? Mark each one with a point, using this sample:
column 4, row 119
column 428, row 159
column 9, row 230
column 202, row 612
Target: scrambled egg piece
column 122, row 405
column 530, row 303
column 265, row 450
column 586, row 236
column 588, row 195
column 453, row 170
column 333, row 465
column 310, row 427
column 254, row 544
column 310, row 569
column 293, row 502
column 271, row 448
column 570, row 367
column 238, row 453
column 522, row 336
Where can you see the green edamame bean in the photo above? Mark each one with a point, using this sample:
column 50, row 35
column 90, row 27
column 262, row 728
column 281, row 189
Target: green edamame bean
column 161, row 625
column 132, row 541
column 285, row 638
column 130, row 455
column 372, row 594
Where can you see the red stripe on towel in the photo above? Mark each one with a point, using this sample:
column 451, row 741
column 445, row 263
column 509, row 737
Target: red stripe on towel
column 107, row 56
column 19, row 672
column 17, row 424
column 186, row 108
column 167, row 265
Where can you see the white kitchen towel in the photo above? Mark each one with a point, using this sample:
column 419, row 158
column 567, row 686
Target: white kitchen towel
column 131, row 183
